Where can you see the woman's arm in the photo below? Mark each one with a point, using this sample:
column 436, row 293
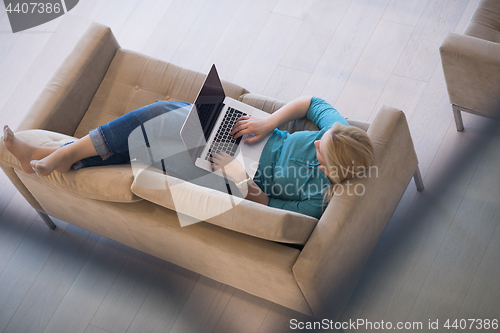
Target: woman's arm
column 296, row 109
column 232, row 168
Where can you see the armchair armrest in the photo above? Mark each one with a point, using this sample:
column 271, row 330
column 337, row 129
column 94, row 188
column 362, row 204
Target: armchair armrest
column 66, row 98
column 472, row 71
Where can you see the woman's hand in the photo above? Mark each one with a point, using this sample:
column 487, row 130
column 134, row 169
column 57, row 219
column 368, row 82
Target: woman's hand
column 251, row 125
column 229, row 165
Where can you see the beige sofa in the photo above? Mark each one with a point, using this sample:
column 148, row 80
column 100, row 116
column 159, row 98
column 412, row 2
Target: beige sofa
column 309, row 265
column 471, row 64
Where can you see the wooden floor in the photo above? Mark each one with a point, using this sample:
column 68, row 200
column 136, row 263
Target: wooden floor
column 439, row 257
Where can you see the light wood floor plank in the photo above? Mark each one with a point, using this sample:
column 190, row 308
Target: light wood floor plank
column 7, row 193
column 24, row 267
column 42, row 68
column 286, row 83
column 53, row 282
column 168, row 36
column 266, row 53
column 294, row 8
column 204, row 307
column 374, row 68
column 88, row 9
column 422, row 53
column 405, row 11
column 96, row 274
column 15, row 222
column 402, row 93
column 304, row 52
column 165, row 301
column 477, row 304
column 93, row 329
column 7, row 38
column 141, row 23
column 466, row 15
column 128, row 292
column 465, row 243
column 239, row 36
column 115, row 13
column 2, row 9
column 204, row 34
column 345, row 48
column 279, row 320
column 431, row 119
column 254, row 307
column 20, row 57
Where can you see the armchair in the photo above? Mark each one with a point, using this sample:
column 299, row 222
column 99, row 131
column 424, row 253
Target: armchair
column 471, row 64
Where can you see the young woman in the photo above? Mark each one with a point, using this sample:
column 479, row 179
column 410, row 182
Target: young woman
column 296, row 171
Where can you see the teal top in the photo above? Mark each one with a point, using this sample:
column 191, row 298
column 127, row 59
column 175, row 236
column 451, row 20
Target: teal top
column 288, row 168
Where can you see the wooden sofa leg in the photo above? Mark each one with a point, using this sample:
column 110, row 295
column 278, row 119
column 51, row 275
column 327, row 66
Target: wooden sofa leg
column 418, row 180
column 458, row 118
column 47, row 220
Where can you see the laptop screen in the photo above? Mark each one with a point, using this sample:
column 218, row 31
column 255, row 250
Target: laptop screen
column 203, row 115
column 209, row 102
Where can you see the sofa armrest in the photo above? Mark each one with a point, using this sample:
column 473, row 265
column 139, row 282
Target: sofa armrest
column 333, row 258
column 364, row 125
column 66, row 98
column 472, row 71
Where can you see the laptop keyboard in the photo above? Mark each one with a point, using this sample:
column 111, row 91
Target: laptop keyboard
column 223, row 142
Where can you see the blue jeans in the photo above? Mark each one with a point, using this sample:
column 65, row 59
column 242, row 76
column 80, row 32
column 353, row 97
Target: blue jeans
column 155, row 142
column 111, row 141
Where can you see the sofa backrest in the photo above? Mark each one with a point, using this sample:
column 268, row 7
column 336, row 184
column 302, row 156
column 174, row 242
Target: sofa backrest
column 134, row 80
column 485, row 22
column 331, row 262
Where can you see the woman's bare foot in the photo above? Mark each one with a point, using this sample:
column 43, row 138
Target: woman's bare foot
column 44, row 160
column 61, row 160
column 39, row 168
column 24, row 152
column 21, row 150
column 45, row 168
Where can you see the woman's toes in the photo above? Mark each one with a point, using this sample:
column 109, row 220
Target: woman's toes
column 38, row 168
column 8, row 135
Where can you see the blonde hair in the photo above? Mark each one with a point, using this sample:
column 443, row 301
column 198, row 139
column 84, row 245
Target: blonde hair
column 349, row 150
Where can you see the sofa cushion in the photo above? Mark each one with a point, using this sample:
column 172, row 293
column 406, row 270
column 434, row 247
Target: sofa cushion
column 134, row 80
column 106, row 183
column 230, row 212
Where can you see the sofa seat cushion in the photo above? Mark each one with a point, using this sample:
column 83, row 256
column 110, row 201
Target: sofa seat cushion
column 215, row 207
column 134, row 80
column 106, row 183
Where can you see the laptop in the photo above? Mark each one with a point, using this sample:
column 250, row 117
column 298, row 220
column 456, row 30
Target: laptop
column 209, row 122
